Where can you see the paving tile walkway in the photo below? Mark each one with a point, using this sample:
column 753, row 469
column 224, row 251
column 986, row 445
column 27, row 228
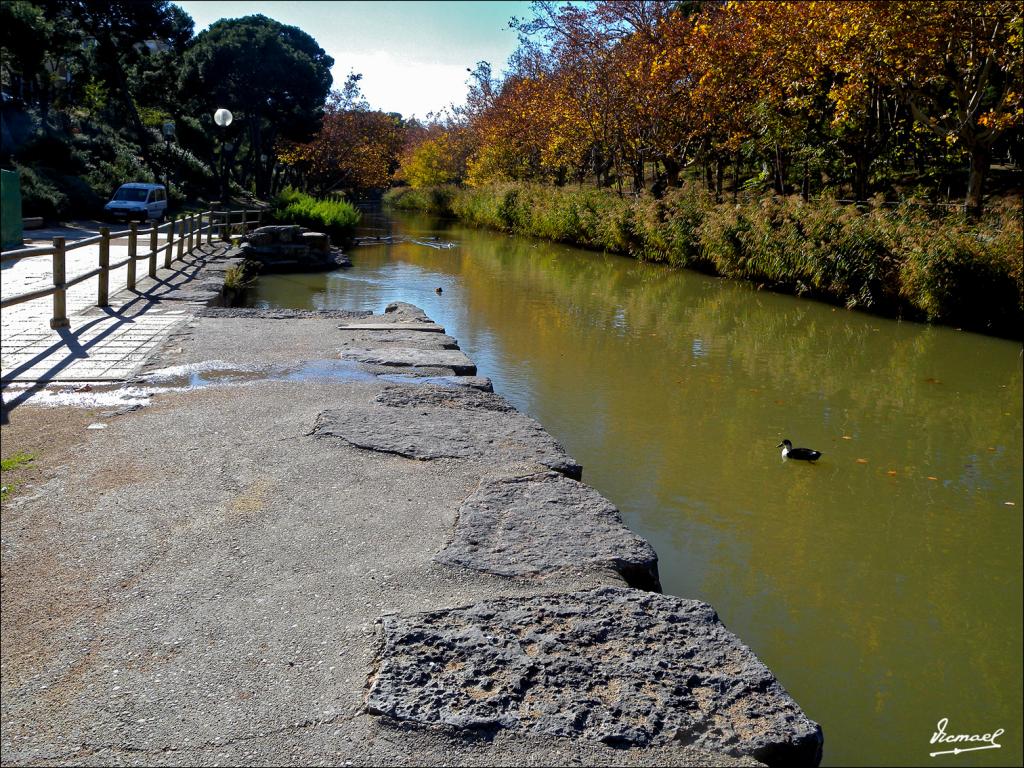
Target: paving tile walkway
column 103, row 344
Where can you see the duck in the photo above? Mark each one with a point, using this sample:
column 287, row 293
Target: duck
column 803, row 454
column 438, row 291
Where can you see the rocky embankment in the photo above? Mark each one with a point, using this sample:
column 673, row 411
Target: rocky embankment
column 328, row 539
column 622, row 664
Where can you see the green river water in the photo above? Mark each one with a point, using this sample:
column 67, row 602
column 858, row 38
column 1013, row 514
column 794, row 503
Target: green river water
column 883, row 585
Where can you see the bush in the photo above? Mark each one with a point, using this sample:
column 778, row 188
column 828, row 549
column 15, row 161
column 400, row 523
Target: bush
column 964, row 274
column 430, row 199
column 902, row 261
column 40, row 196
column 336, row 217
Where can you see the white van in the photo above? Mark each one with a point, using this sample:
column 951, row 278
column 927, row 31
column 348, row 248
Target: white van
column 138, row 201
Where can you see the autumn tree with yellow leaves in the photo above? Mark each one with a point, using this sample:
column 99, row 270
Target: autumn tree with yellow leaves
column 859, row 97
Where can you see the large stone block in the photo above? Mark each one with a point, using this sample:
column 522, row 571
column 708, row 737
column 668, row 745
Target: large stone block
column 394, row 355
column 317, row 241
column 385, row 336
column 615, row 665
column 433, row 422
column 543, row 524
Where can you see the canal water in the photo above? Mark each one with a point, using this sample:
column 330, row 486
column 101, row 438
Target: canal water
column 882, row 585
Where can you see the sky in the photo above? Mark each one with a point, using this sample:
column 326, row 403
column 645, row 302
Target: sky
column 413, row 55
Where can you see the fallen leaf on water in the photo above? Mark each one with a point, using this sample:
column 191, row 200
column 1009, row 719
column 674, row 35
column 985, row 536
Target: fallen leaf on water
column 847, row 437
column 862, row 461
column 891, row 473
column 931, row 477
column 993, row 450
column 780, row 402
column 930, row 380
column 1009, row 503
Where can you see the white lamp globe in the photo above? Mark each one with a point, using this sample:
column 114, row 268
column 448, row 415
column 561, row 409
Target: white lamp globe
column 223, row 118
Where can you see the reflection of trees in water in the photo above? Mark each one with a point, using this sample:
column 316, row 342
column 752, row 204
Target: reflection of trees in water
column 935, row 380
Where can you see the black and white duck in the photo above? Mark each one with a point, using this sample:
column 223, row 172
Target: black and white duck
column 802, row 454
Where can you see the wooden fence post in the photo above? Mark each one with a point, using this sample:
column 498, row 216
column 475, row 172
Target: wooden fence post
column 209, row 227
column 133, row 244
column 191, row 236
column 60, row 306
column 181, row 238
column 169, row 244
column 245, row 221
column 153, row 239
column 103, row 293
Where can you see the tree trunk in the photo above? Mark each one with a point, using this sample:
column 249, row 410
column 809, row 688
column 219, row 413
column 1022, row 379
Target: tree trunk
column 719, row 174
column 780, row 171
column 638, row 175
column 672, row 169
column 736, row 177
column 981, row 159
column 861, row 168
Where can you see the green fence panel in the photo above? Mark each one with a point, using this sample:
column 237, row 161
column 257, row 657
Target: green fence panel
column 10, row 210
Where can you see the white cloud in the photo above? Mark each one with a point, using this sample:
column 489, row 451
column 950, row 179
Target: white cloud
column 402, row 85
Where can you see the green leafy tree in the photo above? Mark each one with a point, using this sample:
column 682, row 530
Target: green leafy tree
column 274, row 78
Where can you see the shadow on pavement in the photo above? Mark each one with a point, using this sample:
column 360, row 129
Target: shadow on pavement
column 70, row 348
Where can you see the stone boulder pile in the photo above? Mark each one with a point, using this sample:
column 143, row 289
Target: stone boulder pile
column 291, row 248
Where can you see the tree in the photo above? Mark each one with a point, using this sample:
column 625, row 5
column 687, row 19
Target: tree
column 435, row 155
column 274, row 78
column 356, row 148
column 118, row 30
column 960, row 67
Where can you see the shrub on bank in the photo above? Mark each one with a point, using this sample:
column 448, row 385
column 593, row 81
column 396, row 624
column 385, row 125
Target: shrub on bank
column 899, row 260
column 430, row 199
column 336, row 217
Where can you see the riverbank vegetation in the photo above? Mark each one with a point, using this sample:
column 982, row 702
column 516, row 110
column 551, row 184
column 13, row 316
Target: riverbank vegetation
column 899, row 260
column 845, row 150
column 335, row 216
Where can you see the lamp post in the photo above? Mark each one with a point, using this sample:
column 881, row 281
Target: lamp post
column 223, row 118
column 168, row 131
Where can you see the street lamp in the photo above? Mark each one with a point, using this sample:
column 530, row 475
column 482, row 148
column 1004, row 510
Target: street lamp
column 168, row 131
column 223, row 118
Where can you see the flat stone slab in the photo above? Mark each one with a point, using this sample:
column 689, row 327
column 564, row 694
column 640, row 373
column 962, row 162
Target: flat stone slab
column 546, row 523
column 481, row 383
column 434, row 422
column 360, row 338
column 421, row 327
column 413, row 357
column 613, row 665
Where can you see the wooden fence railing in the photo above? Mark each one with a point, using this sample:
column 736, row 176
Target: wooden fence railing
column 184, row 235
